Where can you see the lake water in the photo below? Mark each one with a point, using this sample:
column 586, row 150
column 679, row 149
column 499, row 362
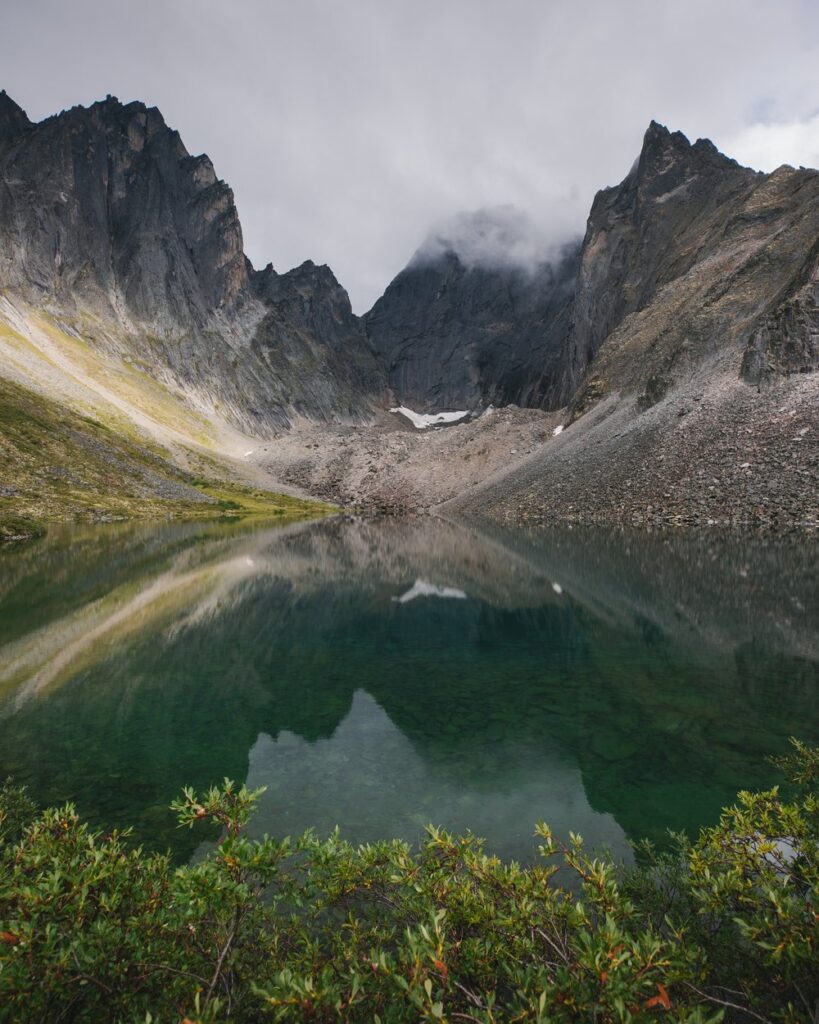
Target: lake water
column 382, row 675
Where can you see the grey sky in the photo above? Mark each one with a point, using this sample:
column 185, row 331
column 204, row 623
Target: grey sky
column 348, row 127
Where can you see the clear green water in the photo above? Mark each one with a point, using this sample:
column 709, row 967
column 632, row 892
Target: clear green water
column 380, row 676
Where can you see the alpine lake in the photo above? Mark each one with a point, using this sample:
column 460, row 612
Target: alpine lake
column 380, row 675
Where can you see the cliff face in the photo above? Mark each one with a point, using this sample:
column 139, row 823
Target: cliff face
column 455, row 335
column 13, row 119
column 690, row 252
column 787, row 339
column 693, row 260
column 315, row 350
column 648, row 231
column 105, row 205
column 104, row 214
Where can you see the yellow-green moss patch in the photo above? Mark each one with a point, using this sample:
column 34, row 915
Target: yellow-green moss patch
column 56, row 465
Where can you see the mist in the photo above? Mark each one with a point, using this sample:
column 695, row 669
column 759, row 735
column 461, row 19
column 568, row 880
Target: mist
column 501, row 237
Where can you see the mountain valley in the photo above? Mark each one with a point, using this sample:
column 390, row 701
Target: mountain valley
column 663, row 369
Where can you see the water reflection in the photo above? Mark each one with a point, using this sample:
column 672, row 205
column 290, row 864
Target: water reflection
column 382, row 675
column 379, row 776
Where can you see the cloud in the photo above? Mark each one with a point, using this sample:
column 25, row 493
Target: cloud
column 347, row 128
column 500, row 236
column 766, row 146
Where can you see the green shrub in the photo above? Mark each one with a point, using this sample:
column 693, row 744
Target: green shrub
column 15, row 528
column 16, row 811
column 318, row 930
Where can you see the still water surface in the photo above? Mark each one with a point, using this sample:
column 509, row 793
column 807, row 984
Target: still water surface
column 382, row 675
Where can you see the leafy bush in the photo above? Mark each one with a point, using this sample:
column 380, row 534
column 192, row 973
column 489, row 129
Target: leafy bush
column 15, row 528
column 319, row 930
column 16, row 811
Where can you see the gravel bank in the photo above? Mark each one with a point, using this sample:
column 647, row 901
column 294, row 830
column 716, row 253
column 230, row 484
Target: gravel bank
column 390, row 467
column 717, row 452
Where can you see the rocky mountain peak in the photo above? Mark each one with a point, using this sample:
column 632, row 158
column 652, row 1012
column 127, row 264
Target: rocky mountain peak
column 146, row 238
column 309, row 279
column 134, row 123
column 477, row 316
column 317, row 275
column 13, row 119
column 659, row 140
column 140, row 225
column 310, row 292
column 668, row 160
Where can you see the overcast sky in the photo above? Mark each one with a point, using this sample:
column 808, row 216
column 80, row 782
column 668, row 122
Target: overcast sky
column 348, row 127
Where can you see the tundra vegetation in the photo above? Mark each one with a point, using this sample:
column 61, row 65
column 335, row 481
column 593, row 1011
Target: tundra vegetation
column 56, row 465
column 725, row 927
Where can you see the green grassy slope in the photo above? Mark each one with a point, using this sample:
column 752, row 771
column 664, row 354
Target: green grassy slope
column 57, row 465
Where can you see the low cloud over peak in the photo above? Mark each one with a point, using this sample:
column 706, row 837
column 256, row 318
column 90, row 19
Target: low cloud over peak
column 498, row 236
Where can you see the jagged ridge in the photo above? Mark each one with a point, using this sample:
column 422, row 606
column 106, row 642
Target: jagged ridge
column 109, row 222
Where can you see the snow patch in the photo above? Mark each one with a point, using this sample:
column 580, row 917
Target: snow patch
column 558, row 430
column 421, row 588
column 422, row 420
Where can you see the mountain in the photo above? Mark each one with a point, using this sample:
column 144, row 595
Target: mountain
column 470, row 322
column 13, row 119
column 462, row 328
column 132, row 245
column 676, row 343
column 693, row 342
column 684, row 261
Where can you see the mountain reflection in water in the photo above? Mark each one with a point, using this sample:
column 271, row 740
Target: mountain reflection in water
column 382, row 675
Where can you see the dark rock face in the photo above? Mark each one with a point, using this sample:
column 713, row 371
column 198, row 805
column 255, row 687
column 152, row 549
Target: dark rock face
column 646, row 232
column 787, row 340
column 106, row 204
column 457, row 336
column 103, row 211
column 13, row 119
column 692, row 259
column 311, row 341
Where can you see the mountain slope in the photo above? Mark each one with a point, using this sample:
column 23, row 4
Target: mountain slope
column 113, row 229
column 57, row 465
column 694, row 333
column 683, row 262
